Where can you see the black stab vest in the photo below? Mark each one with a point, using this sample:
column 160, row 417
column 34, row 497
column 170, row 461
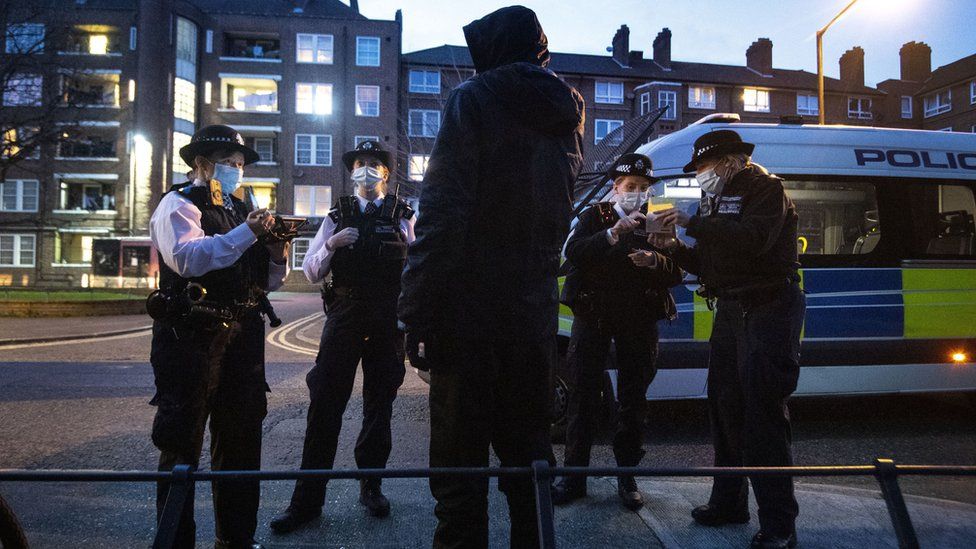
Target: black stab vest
column 241, row 282
column 376, row 260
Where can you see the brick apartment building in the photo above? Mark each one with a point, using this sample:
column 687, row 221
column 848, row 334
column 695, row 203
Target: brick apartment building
column 303, row 81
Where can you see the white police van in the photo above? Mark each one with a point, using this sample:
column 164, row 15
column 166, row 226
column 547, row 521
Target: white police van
column 886, row 242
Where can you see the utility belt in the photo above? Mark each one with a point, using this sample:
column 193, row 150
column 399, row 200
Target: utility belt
column 749, row 295
column 192, row 305
column 331, row 293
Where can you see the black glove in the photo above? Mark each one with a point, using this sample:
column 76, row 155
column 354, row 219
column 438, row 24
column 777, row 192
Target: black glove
column 416, row 351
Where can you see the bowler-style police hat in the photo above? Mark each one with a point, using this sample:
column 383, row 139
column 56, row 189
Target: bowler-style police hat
column 632, row 164
column 367, row 148
column 715, row 144
column 216, row 138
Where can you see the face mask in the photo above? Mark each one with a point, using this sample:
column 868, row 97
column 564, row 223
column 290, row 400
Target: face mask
column 710, row 182
column 229, row 177
column 367, row 177
column 631, row 201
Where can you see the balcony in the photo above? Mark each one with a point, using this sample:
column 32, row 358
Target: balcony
column 87, row 194
column 249, row 94
column 91, row 40
column 251, row 47
column 77, row 145
column 90, row 89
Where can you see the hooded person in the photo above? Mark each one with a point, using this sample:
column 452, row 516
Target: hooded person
column 358, row 252
column 479, row 288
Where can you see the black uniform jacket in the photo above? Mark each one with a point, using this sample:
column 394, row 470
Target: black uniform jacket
column 496, row 203
column 744, row 237
column 602, row 279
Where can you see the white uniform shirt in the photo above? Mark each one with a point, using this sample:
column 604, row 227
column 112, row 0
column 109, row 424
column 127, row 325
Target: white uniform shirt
column 176, row 232
column 318, row 258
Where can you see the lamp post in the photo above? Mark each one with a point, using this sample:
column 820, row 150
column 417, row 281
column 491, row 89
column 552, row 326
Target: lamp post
column 820, row 75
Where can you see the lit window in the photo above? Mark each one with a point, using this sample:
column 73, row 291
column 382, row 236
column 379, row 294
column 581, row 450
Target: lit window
column 17, row 250
column 701, row 97
column 18, row 195
column 87, row 143
column 315, row 48
column 418, row 166
column 906, row 106
column 264, row 192
column 184, row 100
column 22, row 141
column 72, row 249
column 23, row 90
column 86, row 193
column 610, row 92
column 248, row 46
column 645, row 103
column 668, row 99
column 90, row 89
column 313, row 98
column 98, row 44
column 25, row 38
column 367, row 100
column 937, row 103
column 313, row 150
column 360, row 138
column 90, row 40
column 425, row 81
column 299, row 247
column 313, row 200
column 807, row 104
column 180, row 140
column 423, row 123
column 602, row 128
column 250, row 94
column 754, row 100
column 367, row 51
column 859, row 108
column 186, row 49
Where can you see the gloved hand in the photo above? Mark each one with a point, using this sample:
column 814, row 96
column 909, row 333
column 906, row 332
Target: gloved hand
column 343, row 238
column 416, row 351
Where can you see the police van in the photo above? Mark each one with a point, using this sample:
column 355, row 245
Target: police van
column 886, row 243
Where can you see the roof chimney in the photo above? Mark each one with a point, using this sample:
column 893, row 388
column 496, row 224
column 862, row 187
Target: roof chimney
column 354, row 4
column 621, row 46
column 759, row 56
column 662, row 48
column 852, row 67
column 916, row 61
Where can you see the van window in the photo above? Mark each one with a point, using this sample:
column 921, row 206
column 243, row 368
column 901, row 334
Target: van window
column 836, row 218
column 941, row 220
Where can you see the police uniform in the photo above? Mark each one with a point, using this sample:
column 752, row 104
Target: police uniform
column 746, row 259
column 209, row 361
column 612, row 300
column 361, row 324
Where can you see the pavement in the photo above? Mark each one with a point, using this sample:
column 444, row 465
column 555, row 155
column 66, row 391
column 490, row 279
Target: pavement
column 16, row 330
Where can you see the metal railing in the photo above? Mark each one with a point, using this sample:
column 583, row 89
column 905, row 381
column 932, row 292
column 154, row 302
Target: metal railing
column 183, row 477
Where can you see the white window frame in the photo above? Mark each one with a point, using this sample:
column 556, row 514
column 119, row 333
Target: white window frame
column 15, row 33
column 972, row 92
column 317, row 88
column 133, row 38
column 608, row 96
column 909, row 113
column 363, row 111
column 607, row 123
column 360, row 138
column 313, row 200
column 313, row 144
column 271, row 146
column 860, row 114
column 698, row 100
column 933, row 104
column 645, row 103
column 19, row 193
column 18, row 249
column 806, row 110
column 306, row 242
column 669, row 98
column 423, row 113
column 360, row 41
column 412, row 173
column 316, row 48
column 756, row 105
column 425, row 86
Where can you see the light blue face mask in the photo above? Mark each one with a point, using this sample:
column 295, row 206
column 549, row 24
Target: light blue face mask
column 229, row 177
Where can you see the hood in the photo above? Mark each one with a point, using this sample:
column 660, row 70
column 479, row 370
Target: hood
column 509, row 35
column 536, row 97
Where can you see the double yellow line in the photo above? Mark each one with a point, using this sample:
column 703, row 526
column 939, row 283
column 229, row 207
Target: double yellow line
column 279, row 336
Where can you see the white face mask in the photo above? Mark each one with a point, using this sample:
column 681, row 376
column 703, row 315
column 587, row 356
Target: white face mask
column 367, row 177
column 631, row 201
column 710, row 182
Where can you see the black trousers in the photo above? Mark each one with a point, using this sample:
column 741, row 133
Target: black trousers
column 487, row 394
column 589, row 348
column 202, row 371
column 354, row 330
column 753, row 368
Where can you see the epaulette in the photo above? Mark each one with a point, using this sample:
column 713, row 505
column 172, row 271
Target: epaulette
column 182, row 188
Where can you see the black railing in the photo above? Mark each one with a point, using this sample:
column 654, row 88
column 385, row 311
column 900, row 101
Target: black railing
column 183, row 477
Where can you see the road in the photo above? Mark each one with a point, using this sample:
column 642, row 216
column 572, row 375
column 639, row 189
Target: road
column 84, row 405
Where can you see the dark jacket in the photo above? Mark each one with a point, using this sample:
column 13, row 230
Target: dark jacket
column 602, row 280
column 745, row 237
column 496, row 203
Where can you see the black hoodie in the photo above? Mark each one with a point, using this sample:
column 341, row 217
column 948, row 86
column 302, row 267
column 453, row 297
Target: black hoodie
column 497, row 197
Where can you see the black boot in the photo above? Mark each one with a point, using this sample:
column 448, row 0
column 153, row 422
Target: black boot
column 294, row 518
column 711, row 515
column 372, row 497
column 567, row 489
column 766, row 541
column 629, row 494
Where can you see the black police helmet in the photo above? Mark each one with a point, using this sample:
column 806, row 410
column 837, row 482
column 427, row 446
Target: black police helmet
column 216, row 138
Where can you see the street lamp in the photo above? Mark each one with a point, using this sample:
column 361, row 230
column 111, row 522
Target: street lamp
column 820, row 77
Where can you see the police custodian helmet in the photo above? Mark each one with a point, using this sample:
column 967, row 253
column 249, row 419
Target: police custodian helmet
column 215, row 138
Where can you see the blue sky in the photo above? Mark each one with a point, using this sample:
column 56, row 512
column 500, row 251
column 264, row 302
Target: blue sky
column 718, row 31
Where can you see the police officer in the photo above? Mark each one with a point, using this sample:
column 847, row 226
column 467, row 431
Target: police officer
column 208, row 336
column 362, row 244
column 617, row 287
column 746, row 258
